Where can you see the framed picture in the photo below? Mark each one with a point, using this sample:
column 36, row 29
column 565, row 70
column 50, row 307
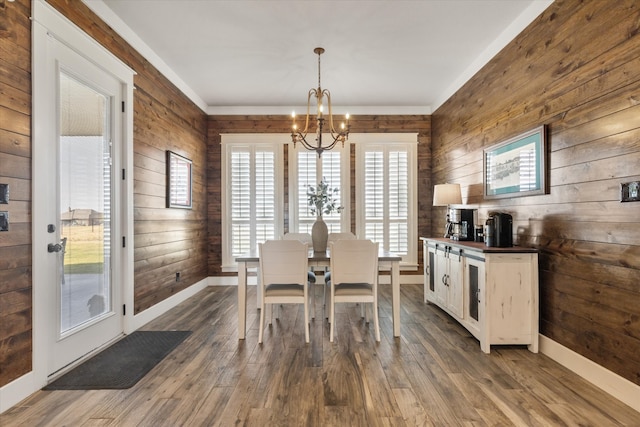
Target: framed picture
column 4, row 194
column 516, row 167
column 179, row 181
column 630, row 191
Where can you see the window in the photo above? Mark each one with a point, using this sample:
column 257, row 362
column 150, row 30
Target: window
column 252, row 207
column 386, row 192
column 253, row 188
column 305, row 169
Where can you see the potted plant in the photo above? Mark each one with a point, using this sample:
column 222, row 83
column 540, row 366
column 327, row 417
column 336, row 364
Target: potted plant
column 322, row 200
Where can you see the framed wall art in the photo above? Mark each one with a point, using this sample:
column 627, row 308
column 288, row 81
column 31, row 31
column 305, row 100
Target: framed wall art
column 179, row 181
column 630, row 191
column 516, row 167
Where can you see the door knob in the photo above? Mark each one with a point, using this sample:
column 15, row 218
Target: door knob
column 51, row 247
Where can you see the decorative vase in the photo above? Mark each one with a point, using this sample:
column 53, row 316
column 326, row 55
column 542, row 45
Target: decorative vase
column 319, row 235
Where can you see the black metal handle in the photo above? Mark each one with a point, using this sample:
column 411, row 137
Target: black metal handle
column 51, row 247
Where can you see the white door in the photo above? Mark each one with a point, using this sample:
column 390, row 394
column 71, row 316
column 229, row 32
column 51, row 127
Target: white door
column 76, row 195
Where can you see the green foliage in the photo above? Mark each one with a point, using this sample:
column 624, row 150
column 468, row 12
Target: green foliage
column 322, row 199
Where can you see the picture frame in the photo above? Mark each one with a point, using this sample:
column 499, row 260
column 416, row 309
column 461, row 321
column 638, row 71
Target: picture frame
column 516, row 167
column 630, row 191
column 179, row 181
column 4, row 194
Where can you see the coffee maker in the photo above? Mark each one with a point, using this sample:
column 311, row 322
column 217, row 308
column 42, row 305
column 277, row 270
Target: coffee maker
column 461, row 223
column 499, row 230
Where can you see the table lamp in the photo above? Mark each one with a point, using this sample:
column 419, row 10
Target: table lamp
column 445, row 195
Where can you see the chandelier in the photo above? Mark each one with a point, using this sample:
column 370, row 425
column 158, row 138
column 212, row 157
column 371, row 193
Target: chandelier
column 301, row 136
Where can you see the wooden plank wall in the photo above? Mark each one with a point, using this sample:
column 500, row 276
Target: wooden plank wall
column 166, row 240
column 575, row 69
column 15, row 170
column 282, row 124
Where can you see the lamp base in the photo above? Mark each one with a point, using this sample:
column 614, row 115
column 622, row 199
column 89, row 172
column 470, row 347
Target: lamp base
column 448, row 230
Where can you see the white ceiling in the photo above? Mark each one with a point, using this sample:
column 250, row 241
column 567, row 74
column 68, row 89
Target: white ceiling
column 256, row 57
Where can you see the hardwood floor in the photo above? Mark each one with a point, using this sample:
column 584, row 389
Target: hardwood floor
column 434, row 375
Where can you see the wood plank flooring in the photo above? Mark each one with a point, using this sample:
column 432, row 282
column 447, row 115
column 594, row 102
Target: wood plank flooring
column 434, row 375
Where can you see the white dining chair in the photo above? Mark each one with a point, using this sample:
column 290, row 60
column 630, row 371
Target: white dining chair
column 327, row 273
column 283, row 274
column 311, row 276
column 354, row 277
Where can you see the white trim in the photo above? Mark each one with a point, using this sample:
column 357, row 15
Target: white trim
column 252, row 141
column 384, row 138
column 165, row 305
column 231, row 280
column 610, row 382
column 109, row 17
column 507, row 36
column 130, row 36
column 18, row 390
column 76, row 39
column 255, row 138
column 408, row 142
column 354, row 111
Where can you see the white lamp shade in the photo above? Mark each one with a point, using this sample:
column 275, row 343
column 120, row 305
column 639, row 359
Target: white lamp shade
column 447, row 194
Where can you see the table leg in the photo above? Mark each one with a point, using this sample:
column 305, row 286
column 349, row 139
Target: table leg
column 395, row 291
column 242, row 300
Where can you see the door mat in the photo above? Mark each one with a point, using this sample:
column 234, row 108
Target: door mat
column 123, row 364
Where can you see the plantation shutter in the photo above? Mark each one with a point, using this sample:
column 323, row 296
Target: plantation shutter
column 311, row 170
column 240, row 201
column 252, row 199
column 386, row 197
column 306, row 176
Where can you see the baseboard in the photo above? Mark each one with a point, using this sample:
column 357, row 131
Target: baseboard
column 163, row 306
column 230, row 280
column 17, row 390
column 618, row 387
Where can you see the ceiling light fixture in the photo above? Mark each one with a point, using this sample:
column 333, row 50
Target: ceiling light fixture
column 301, row 136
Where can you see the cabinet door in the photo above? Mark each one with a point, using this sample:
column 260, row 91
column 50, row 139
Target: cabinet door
column 429, row 272
column 456, row 294
column 473, row 285
column 441, row 276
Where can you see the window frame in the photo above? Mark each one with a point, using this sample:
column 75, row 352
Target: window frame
column 274, row 142
column 404, row 141
column 345, row 186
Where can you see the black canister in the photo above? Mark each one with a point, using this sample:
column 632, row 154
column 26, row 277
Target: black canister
column 479, row 235
column 503, row 229
column 489, row 233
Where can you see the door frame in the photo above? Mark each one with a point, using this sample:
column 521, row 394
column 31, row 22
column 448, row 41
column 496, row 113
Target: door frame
column 48, row 24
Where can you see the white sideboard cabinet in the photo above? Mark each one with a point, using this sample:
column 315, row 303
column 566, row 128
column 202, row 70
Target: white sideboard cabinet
column 492, row 292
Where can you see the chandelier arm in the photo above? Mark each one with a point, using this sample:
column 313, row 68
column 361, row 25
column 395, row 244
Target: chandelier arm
column 306, row 122
column 305, row 144
column 301, row 136
column 332, row 130
column 342, row 134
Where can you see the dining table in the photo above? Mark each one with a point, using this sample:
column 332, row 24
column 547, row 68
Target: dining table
column 387, row 261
